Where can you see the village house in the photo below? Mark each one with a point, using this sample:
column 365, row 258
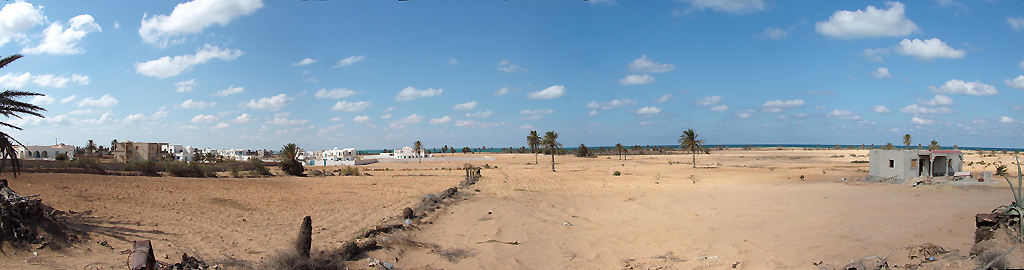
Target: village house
column 900, row 165
column 140, row 151
column 44, row 152
column 180, row 153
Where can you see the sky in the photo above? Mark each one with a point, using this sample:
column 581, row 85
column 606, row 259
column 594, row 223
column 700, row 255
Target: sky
column 372, row 74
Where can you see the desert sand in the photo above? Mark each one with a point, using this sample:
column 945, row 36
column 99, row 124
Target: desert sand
column 738, row 209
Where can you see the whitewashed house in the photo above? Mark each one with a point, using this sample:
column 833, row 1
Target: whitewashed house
column 336, row 157
column 44, row 152
column 180, row 153
column 235, row 154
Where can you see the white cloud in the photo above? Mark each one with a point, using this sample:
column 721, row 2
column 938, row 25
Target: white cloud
column 881, row 73
column 915, row 109
column 505, row 90
column 68, row 99
column 410, row 93
column 167, row 66
column 648, row 111
column 644, row 64
column 869, row 23
column 664, row 98
column 270, row 104
column 593, row 113
column 1016, row 83
column 528, row 112
column 42, row 100
column 938, row 100
column 926, row 50
column 191, row 18
column 243, row 119
column 452, row 62
column 283, row 121
column 104, row 101
column 880, row 109
column 465, row 106
column 228, row 91
column 708, row 101
column 875, row 54
column 844, row 114
column 974, row 88
column 1021, row 65
column 60, row 41
column 134, row 118
column 386, row 116
column 465, row 123
column 80, row 79
column 349, row 61
column 1006, row 119
column 335, row 119
column 611, row 105
column 1015, row 23
column 727, row 6
column 221, row 125
column 507, row 66
column 636, row 79
column 334, row 93
column 351, row 107
column 525, row 127
column 412, row 119
column 919, row 121
column 774, row 33
column 483, row 114
column 160, row 114
column 548, row 93
column 775, row 106
column 17, row 17
column 362, row 119
column 191, row 104
column 441, row 120
column 744, row 114
column 204, row 119
column 304, row 62
column 389, row 109
column 185, row 86
column 720, row 108
column 12, row 80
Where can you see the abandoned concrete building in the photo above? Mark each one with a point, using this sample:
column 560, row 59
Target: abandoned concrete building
column 900, row 165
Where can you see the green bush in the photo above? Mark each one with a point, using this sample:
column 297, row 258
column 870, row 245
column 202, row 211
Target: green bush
column 234, row 172
column 61, row 157
column 145, row 167
column 616, row 173
column 88, row 163
column 350, row 171
column 259, row 169
column 292, row 167
column 189, row 169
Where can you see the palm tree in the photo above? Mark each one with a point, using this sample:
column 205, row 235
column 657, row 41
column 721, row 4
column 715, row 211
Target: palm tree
column 417, row 146
column 10, row 106
column 550, row 142
column 289, row 162
column 533, row 140
column 619, row 149
column 91, row 147
column 689, row 143
column 113, row 146
column 889, row 146
column 934, row 145
column 907, row 140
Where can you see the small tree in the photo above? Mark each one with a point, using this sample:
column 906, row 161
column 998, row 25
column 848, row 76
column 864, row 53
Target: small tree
column 289, row 160
column 889, row 146
column 619, row 150
column 934, row 145
column 417, row 147
column 689, row 143
column 582, row 151
column 907, row 140
column 90, row 147
column 550, row 142
column 533, row 140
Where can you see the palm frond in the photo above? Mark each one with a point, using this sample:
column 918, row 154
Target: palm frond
column 9, row 59
column 7, row 151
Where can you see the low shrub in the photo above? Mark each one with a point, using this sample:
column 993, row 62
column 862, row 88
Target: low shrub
column 349, row 171
column 189, row 169
column 616, row 173
column 61, row 157
column 258, row 168
column 234, row 172
column 145, row 167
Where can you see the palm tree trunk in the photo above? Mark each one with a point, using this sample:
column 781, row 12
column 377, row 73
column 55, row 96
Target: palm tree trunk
column 536, row 157
column 552, row 160
column 695, row 160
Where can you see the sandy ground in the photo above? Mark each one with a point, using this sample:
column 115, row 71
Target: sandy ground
column 738, row 209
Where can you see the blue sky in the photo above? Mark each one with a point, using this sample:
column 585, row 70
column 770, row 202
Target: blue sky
column 381, row 74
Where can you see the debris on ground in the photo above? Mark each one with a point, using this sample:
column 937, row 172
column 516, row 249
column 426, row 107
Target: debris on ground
column 25, row 221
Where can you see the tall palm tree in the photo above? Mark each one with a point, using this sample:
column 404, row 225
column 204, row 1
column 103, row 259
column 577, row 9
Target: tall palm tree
column 417, row 146
column 289, row 160
column 533, row 140
column 689, row 143
column 907, row 140
column 551, row 142
column 934, row 145
column 619, row 149
column 10, row 106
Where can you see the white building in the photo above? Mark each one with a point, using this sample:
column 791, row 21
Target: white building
column 404, row 153
column 235, row 154
column 335, row 157
column 44, row 152
column 180, row 153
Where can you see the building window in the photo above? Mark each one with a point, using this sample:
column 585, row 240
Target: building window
column 892, row 163
column 913, row 163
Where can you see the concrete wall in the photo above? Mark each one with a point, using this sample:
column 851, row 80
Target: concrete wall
column 899, row 163
column 44, row 152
